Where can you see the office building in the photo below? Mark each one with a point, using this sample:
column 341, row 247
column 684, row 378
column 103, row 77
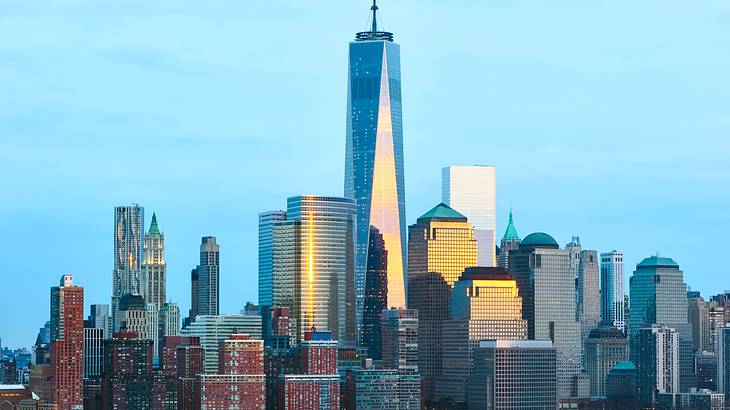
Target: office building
column 134, row 316
column 441, row 245
column 588, row 293
column 698, row 317
column 376, row 388
column 214, row 329
column 612, row 289
column 127, row 378
column 547, row 287
column 574, row 248
column 696, row 399
column 510, row 242
column 716, row 320
column 153, row 330
column 621, row 387
column 314, row 265
column 67, row 344
column 723, row 362
column 128, row 255
column 266, row 256
column 101, row 319
column 400, row 352
column 153, row 267
column 239, row 382
column 316, row 385
column 169, row 320
column 208, row 277
column 376, row 295
column 513, row 374
column 374, row 175
column 706, row 370
column 472, row 191
column 485, row 304
column 605, row 348
column 194, row 303
column 93, row 351
column 657, row 369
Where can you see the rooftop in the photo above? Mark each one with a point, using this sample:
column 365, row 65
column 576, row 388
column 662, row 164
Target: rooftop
column 539, row 240
column 624, row 366
column 657, row 261
column 443, row 211
column 511, row 232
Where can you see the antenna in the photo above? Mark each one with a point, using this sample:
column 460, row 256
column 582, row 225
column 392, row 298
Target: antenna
column 374, row 8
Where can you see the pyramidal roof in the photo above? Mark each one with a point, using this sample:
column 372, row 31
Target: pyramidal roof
column 154, row 229
column 443, row 211
column 511, row 232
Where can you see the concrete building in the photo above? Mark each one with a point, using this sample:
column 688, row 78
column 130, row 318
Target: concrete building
column 214, row 329
column 605, row 348
column 658, row 364
column 695, row 399
column 612, row 289
column 621, row 387
column 697, row 315
column 67, row 344
column 588, row 294
column 208, row 277
column 317, row 384
column 154, row 269
column 93, row 352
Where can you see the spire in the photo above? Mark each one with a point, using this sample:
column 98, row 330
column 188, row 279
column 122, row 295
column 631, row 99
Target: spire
column 154, row 229
column 375, row 17
column 511, row 232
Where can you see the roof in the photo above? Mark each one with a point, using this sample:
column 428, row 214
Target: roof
column 657, row 261
column 443, row 211
column 12, row 387
column 511, row 232
column 539, row 240
column 154, row 229
column 485, row 273
column 624, row 366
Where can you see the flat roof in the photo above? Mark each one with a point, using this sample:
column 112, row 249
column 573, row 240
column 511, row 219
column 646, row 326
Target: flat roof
column 525, row 344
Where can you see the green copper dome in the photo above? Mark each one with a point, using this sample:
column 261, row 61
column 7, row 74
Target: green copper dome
column 443, row 211
column 539, row 240
column 657, row 261
column 154, row 229
column 511, row 233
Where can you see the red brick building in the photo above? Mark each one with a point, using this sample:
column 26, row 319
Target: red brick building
column 67, row 344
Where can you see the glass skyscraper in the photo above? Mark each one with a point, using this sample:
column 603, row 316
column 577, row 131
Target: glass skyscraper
column 612, row 289
column 374, row 155
column 128, row 255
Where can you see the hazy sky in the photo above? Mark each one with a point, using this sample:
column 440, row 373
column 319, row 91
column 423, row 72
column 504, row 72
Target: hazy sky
column 607, row 119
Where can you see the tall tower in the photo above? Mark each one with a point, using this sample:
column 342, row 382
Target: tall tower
column 154, row 268
column 128, row 255
column 266, row 256
column 374, row 154
column 208, row 274
column 441, row 245
column 67, row 343
column 510, row 242
column 472, row 190
column 612, row 289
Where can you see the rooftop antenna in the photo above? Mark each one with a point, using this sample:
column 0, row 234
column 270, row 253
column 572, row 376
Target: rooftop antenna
column 374, row 8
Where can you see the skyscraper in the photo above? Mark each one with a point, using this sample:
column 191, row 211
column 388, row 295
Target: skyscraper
column 605, row 348
column 510, row 242
column 376, row 295
column 574, row 248
column 128, row 255
column 547, row 287
column 697, row 315
column 99, row 318
column 472, row 190
column 213, row 329
column 169, row 320
column 658, row 364
column 612, row 289
column 266, row 256
column 588, row 295
column 208, row 274
column 374, row 174
column 153, row 267
column 314, row 265
column 485, row 305
column 723, row 362
column 127, row 378
column 67, row 343
column 441, row 245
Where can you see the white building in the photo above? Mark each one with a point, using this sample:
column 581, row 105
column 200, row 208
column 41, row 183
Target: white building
column 472, row 190
column 612, row 289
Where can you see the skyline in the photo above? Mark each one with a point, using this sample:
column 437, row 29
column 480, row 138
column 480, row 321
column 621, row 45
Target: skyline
column 179, row 148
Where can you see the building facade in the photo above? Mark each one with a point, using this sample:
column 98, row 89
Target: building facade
column 127, row 378
column 128, row 255
column 214, row 329
column 588, row 292
column 658, row 363
column 374, row 172
column 612, row 289
column 153, row 267
column 93, row 352
column 314, row 265
column 67, row 344
column 441, row 245
column 208, row 277
column 510, row 242
column 266, row 256
column 376, row 295
column 472, row 190
column 605, row 348
column 547, row 287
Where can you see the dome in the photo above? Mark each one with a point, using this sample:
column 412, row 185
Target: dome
column 539, row 240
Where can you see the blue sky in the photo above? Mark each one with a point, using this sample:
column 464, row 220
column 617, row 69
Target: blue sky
column 606, row 119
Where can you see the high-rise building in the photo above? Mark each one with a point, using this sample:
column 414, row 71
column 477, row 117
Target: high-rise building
column 128, row 255
column 153, row 266
column 716, row 319
column 510, row 242
column 694, row 399
column 208, row 277
column 169, row 320
column 239, row 382
column 658, row 364
column 314, row 265
column 153, row 330
column 697, row 315
column 127, row 378
column 213, row 329
column 374, row 174
column 472, row 190
column 621, row 387
column 723, row 362
column 377, row 388
column 100, row 319
column 547, row 287
column 93, row 351
column 612, row 289
column 513, row 374
column 574, row 248
column 317, row 384
column 67, row 344
column 706, row 370
column 376, row 295
column 400, row 352
column 605, row 348
column 133, row 316
column 441, row 245
column 588, row 292
column 194, row 303
column 485, row 305
column 266, row 256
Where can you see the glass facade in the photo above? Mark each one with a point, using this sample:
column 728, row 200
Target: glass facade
column 472, row 190
column 374, row 157
column 314, row 265
column 612, row 289
column 376, row 295
column 128, row 254
column 266, row 226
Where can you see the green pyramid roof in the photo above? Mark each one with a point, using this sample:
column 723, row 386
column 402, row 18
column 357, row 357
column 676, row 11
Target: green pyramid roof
column 443, row 211
column 154, row 229
column 658, row 262
column 511, row 232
